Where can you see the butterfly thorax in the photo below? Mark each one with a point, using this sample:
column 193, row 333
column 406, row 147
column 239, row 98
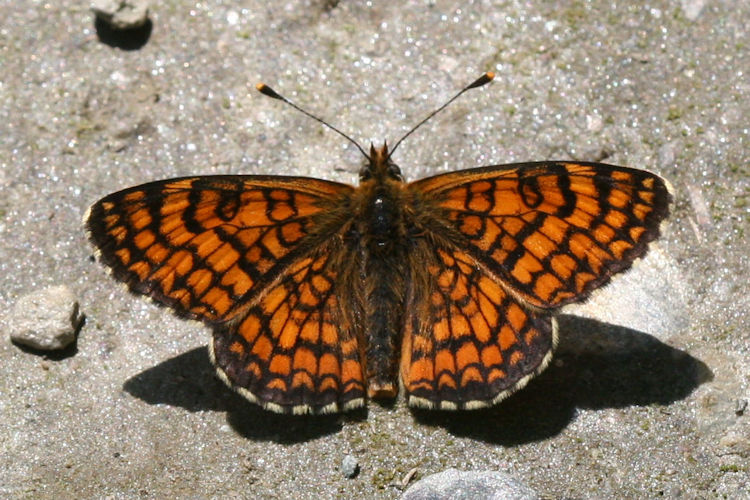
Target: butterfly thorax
column 381, row 191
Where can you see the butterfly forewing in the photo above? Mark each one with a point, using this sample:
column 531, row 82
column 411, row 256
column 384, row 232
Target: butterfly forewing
column 552, row 231
column 205, row 245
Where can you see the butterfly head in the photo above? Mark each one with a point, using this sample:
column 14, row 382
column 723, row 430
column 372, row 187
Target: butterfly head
column 379, row 166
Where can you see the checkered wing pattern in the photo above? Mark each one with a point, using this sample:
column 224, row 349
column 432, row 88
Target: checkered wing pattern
column 250, row 256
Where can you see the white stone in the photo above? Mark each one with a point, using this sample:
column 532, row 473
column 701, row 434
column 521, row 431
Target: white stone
column 121, row 14
column 692, row 8
column 468, row 485
column 46, row 319
column 349, row 466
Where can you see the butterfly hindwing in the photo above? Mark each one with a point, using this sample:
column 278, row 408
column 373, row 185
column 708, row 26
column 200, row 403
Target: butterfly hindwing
column 467, row 342
column 552, row 231
column 296, row 349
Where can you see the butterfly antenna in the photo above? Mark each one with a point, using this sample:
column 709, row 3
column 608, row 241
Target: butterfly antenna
column 268, row 91
column 482, row 80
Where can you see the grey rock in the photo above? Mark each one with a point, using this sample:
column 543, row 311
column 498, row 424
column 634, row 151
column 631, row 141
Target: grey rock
column 121, row 14
column 349, row 466
column 46, row 319
column 459, row 485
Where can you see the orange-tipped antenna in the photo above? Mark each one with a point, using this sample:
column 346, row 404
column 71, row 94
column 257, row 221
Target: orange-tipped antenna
column 482, row 80
column 268, row 91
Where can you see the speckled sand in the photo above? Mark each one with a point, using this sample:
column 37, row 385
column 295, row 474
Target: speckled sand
column 642, row 397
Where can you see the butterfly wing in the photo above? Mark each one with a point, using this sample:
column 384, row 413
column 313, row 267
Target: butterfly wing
column 205, row 245
column 252, row 257
column 468, row 343
column 551, row 231
column 298, row 349
column 503, row 246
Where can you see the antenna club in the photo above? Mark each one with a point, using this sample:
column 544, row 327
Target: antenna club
column 482, row 80
column 268, row 91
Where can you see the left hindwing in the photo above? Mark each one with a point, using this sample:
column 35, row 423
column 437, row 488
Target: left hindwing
column 298, row 349
column 551, row 231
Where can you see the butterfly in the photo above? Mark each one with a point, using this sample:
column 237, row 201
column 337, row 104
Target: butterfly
column 321, row 295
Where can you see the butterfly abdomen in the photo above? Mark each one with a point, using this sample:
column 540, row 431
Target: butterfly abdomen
column 383, row 248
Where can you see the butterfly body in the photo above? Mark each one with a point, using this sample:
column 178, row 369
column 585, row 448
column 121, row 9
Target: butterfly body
column 382, row 240
column 320, row 294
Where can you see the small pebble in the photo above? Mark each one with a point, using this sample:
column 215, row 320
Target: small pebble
column 408, row 477
column 121, row 14
column 692, row 8
column 46, row 319
column 740, row 406
column 349, row 466
column 460, row 485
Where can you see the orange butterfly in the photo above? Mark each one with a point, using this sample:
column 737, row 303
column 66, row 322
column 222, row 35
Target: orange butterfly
column 321, row 294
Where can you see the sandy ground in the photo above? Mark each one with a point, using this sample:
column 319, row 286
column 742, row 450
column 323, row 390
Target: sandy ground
column 645, row 395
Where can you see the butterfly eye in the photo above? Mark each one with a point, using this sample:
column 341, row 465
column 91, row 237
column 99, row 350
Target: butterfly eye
column 394, row 172
column 365, row 173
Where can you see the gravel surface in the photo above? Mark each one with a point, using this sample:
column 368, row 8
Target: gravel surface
column 647, row 393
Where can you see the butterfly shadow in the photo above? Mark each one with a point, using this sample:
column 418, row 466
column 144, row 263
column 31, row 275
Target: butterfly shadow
column 596, row 365
column 189, row 381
